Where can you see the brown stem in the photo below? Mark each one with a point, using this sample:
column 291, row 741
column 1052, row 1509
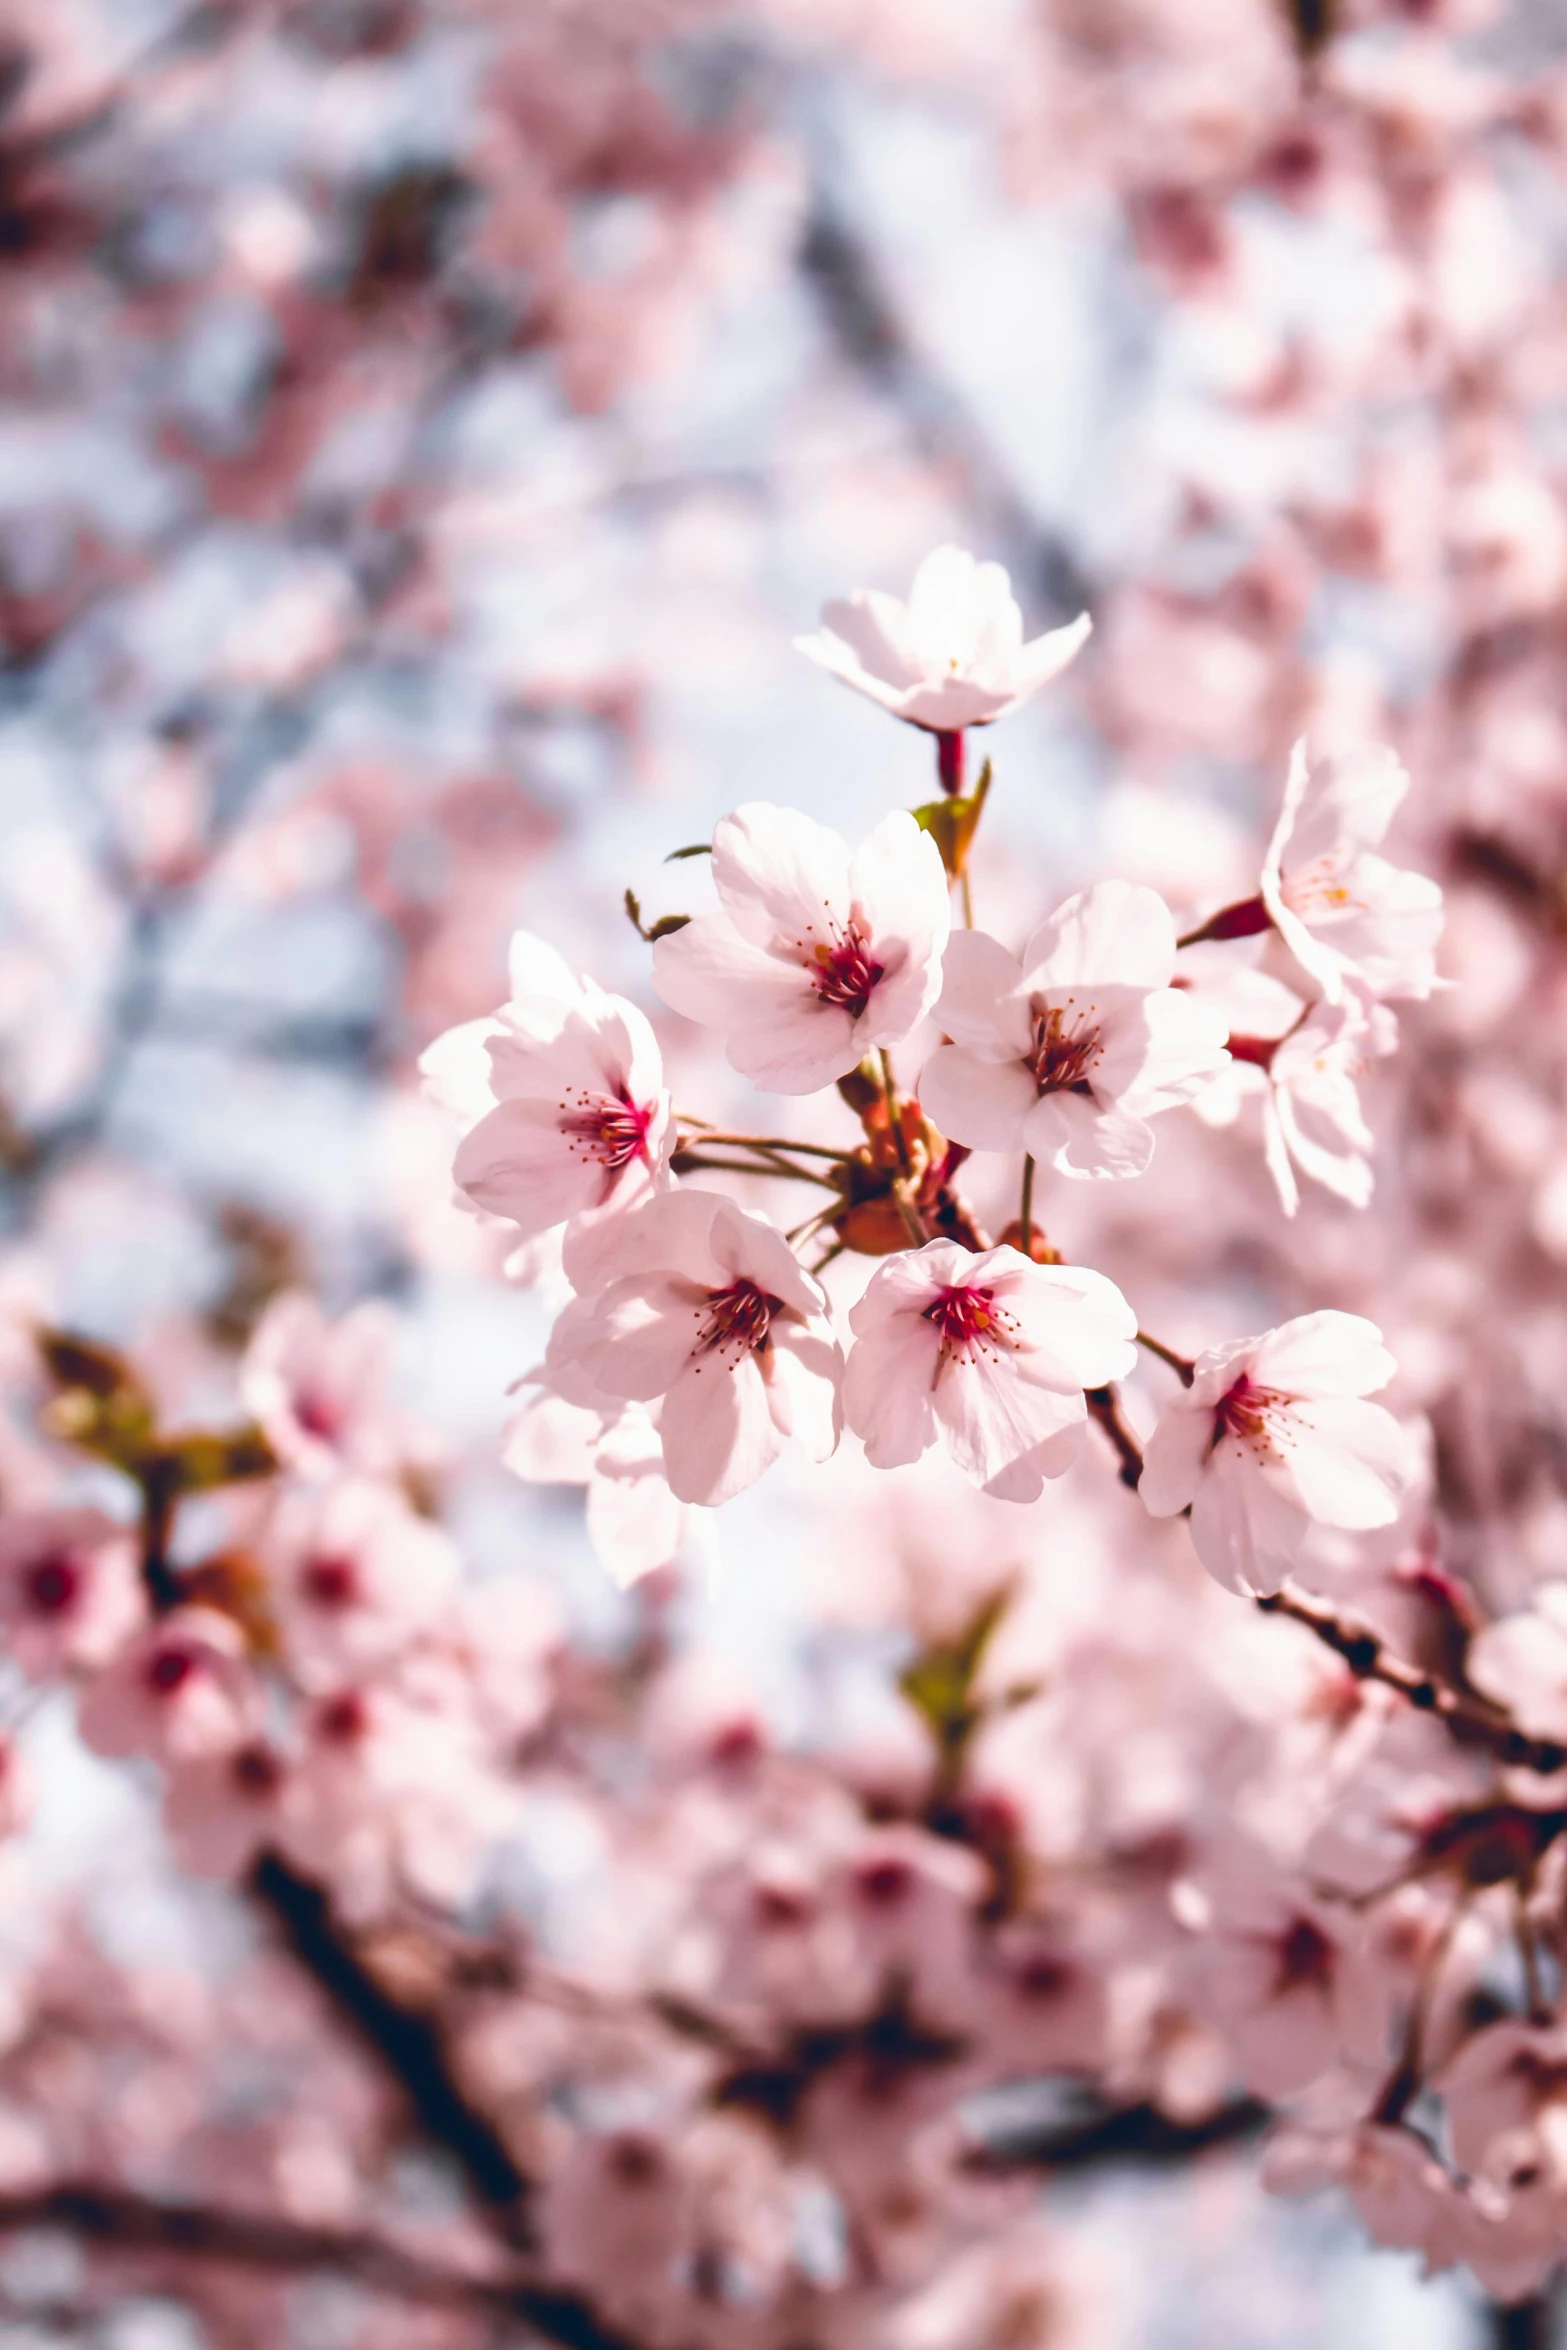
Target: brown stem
column 1104, row 1404
column 1363, row 1651
column 1184, row 1370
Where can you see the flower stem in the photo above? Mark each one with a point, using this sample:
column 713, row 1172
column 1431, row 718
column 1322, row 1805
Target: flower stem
column 771, row 1142
column 684, row 1161
column 966, row 894
column 1025, row 1213
column 949, row 762
column 1184, row 1370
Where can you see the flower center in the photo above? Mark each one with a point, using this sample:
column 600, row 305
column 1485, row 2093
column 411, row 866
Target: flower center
column 846, row 973
column 1250, row 1413
column 53, row 1585
column 1319, row 891
column 1305, row 1957
column 970, row 1323
column 1061, row 1058
column 318, row 1416
column 168, row 1670
column 256, row 1771
column 737, row 1320
column 331, row 1582
column 344, row 1719
column 608, row 1128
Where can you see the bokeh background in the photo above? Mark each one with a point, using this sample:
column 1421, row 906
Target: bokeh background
column 427, row 422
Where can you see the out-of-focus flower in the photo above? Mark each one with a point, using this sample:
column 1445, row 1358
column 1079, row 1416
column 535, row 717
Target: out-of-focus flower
column 1067, row 1052
column 1521, row 1661
column 1349, row 918
column 68, row 1588
column 707, row 1308
column 221, row 1809
column 986, row 1354
column 581, row 1122
column 319, row 1388
column 178, row 1689
column 353, row 1573
column 1301, row 1063
column 952, row 656
column 1273, row 1436
column 819, row 955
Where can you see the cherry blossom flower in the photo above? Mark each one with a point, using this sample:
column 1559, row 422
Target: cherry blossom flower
column 818, row 955
column 1348, row 917
column 69, row 1592
column 1272, row 1437
column 707, row 1307
column 952, row 656
column 319, row 1388
column 1521, row 1661
column 581, row 1121
column 987, row 1354
column 1067, row 1051
column 1301, row 1064
column 634, row 1522
column 353, row 1572
column 221, row 1809
column 181, row 1688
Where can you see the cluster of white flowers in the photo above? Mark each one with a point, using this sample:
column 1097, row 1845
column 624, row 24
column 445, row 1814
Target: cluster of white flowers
column 699, row 1337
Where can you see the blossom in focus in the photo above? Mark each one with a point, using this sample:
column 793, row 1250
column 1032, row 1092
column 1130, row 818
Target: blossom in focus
column 181, row 1688
column 354, row 1572
column 319, row 1388
column 1301, row 1063
column 707, row 1308
column 819, row 954
column 952, row 656
column 1067, row 1051
column 69, row 1592
column 635, row 1523
column 987, row 1354
column 1274, row 1436
column 580, row 1122
column 1349, row 918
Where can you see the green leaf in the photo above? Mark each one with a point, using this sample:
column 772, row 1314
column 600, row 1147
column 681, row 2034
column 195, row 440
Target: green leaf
column 952, row 824
column 204, row 1460
column 939, row 1682
column 98, row 1403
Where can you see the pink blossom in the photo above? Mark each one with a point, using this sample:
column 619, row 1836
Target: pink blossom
column 581, row 1122
column 708, row 1311
column 319, row 1388
column 1272, row 1437
column 69, row 1592
column 179, row 1689
column 1521, row 1661
column 1349, row 918
column 221, row 1809
column 635, row 1523
column 1068, row 1051
column 818, row 955
column 987, row 1354
column 354, row 1572
column 952, row 656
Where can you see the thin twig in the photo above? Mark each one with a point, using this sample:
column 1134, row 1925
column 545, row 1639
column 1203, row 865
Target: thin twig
column 1179, row 1364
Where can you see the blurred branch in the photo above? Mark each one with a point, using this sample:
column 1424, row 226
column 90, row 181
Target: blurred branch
column 112, row 2216
column 407, row 2042
column 1127, row 2133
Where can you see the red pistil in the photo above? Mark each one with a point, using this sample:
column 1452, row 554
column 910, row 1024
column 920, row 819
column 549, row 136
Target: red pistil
column 1061, row 1062
column 738, row 1320
column 1243, row 1410
column 610, row 1128
column 331, row 1582
column 846, row 973
column 53, row 1584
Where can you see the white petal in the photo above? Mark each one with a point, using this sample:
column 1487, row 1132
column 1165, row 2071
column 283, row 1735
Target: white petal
column 1323, row 1354
column 981, row 1103
column 782, row 879
column 1117, row 932
column 980, row 1004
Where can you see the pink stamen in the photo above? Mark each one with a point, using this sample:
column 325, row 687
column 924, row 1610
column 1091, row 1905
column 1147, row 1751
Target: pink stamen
column 1061, row 1062
column 610, row 1128
column 737, row 1321
column 846, row 973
